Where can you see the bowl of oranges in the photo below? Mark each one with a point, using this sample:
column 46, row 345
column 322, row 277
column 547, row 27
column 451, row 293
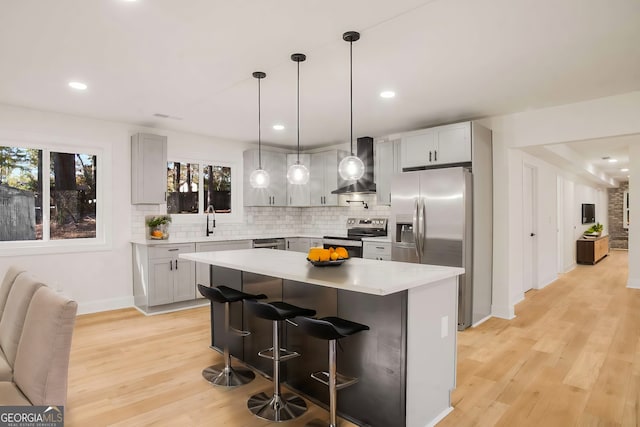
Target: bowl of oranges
column 321, row 257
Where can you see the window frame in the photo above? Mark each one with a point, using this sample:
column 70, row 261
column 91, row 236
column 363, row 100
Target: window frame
column 102, row 241
column 236, row 189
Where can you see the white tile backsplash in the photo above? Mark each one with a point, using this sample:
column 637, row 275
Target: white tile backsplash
column 267, row 221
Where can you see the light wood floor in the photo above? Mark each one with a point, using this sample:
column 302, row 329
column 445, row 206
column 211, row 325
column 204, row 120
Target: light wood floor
column 130, row 370
column 570, row 357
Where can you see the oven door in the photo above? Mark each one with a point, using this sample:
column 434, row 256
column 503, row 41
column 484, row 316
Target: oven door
column 353, row 247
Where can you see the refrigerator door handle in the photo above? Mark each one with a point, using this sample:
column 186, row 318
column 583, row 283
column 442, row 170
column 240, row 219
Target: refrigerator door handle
column 423, row 223
column 415, row 231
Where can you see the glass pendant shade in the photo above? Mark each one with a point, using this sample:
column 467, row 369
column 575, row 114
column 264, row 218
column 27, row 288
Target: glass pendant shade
column 298, row 174
column 351, row 168
column 259, row 178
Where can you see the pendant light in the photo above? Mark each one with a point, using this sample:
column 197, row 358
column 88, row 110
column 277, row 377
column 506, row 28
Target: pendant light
column 351, row 167
column 298, row 173
column 259, row 178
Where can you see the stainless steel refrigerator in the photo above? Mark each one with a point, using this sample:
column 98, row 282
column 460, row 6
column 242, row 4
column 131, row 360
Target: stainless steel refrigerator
column 432, row 223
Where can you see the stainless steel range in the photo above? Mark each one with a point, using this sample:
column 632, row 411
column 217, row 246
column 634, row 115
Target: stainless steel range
column 357, row 228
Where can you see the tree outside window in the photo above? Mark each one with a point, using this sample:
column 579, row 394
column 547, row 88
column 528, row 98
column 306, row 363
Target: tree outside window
column 71, row 198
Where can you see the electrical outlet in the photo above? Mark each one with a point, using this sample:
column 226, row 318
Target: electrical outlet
column 444, row 326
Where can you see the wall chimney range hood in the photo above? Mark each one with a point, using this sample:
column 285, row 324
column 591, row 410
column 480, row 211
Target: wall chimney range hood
column 365, row 184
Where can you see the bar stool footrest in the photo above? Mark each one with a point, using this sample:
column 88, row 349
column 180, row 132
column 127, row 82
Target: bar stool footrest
column 239, row 332
column 284, row 354
column 342, row 381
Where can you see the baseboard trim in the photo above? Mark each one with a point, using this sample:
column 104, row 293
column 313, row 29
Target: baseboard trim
column 481, row 321
column 633, row 283
column 440, row 417
column 503, row 312
column 104, row 305
column 547, row 282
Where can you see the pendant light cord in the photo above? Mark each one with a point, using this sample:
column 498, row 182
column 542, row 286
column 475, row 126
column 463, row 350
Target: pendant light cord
column 351, row 90
column 259, row 128
column 298, row 116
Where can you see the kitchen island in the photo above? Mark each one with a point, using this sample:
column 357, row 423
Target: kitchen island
column 405, row 363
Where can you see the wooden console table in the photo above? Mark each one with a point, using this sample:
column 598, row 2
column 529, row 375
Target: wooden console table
column 590, row 251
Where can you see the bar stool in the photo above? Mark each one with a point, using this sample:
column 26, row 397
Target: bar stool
column 277, row 407
column 331, row 329
column 223, row 374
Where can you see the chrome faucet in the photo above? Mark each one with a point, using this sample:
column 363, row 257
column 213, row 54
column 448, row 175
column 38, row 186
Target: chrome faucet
column 210, row 210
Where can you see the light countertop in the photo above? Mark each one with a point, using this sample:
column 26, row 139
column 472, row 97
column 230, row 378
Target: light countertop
column 356, row 274
column 215, row 238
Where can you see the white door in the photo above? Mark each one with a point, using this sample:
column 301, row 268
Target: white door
column 528, row 228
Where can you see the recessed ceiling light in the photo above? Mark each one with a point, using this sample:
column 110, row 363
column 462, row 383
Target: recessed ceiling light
column 624, row 170
column 278, row 127
column 387, row 94
column 78, row 85
column 612, row 160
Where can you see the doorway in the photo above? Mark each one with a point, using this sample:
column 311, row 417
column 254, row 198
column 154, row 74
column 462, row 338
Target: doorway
column 529, row 253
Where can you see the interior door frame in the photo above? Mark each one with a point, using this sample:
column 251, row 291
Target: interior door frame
column 529, row 215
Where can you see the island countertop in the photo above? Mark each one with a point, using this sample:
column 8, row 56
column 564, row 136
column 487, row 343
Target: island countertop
column 373, row 277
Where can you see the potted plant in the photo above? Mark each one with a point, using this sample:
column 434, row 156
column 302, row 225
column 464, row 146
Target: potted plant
column 595, row 230
column 158, row 226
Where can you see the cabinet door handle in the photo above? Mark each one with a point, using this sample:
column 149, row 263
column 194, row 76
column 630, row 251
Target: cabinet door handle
column 429, row 155
column 379, row 247
column 174, row 249
column 435, row 155
column 176, row 264
column 171, row 265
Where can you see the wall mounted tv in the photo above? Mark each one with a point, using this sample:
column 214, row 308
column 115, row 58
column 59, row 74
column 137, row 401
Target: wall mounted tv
column 588, row 213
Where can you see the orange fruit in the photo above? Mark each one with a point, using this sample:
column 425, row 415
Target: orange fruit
column 334, row 256
column 342, row 252
column 156, row 233
column 314, row 254
column 325, row 255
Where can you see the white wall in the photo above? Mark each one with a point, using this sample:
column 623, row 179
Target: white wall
column 101, row 279
column 634, row 209
column 601, row 118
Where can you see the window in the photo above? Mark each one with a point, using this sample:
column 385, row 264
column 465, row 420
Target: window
column 63, row 209
column 183, row 188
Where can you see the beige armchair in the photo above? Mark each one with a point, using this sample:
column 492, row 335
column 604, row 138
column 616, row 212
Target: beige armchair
column 42, row 359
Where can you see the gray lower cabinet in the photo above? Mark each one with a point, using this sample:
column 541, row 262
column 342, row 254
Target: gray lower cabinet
column 160, row 277
column 298, row 244
column 376, row 250
column 203, row 276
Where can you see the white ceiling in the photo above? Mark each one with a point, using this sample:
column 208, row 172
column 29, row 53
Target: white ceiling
column 447, row 60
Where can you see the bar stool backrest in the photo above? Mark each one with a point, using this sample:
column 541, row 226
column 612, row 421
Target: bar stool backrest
column 318, row 328
column 263, row 310
column 212, row 294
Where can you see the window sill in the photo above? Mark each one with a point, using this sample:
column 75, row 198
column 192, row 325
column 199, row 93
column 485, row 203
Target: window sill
column 52, row 247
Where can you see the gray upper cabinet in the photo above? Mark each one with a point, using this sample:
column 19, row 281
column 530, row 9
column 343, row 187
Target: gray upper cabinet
column 298, row 195
column 440, row 145
column 387, row 163
column 276, row 165
column 148, row 169
column 324, row 177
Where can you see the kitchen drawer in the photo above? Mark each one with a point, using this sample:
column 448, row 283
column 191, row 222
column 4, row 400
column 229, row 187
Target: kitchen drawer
column 170, row 251
column 377, row 250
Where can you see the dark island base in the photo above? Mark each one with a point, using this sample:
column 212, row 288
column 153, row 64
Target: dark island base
column 377, row 357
